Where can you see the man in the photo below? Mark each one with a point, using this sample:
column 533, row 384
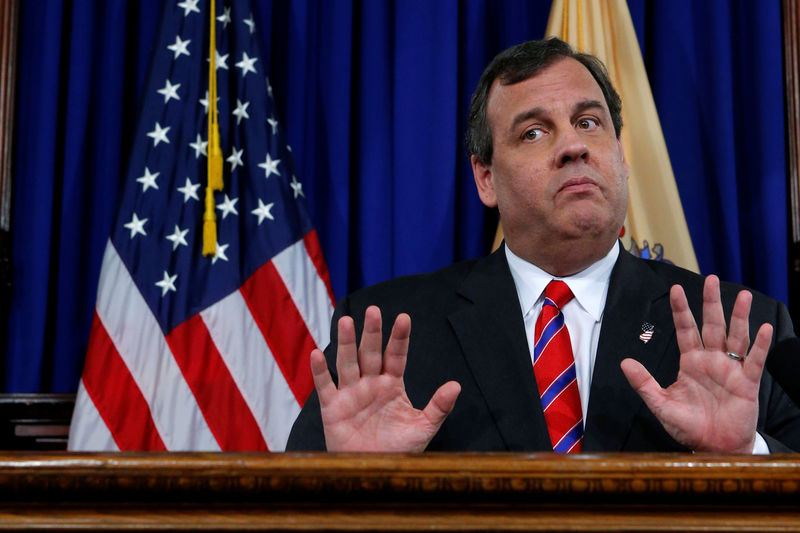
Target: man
column 560, row 340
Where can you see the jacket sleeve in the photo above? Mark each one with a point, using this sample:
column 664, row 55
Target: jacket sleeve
column 307, row 432
column 779, row 417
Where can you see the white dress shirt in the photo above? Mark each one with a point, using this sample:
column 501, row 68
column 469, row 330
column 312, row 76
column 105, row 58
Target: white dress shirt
column 583, row 315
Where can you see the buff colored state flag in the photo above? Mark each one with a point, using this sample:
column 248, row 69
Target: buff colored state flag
column 655, row 227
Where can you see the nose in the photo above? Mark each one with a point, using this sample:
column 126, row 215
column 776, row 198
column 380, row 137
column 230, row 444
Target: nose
column 570, row 148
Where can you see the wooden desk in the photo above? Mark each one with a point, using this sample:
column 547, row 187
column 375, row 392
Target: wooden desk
column 441, row 492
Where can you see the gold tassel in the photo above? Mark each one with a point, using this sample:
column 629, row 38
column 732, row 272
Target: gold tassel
column 209, row 226
column 214, row 151
column 214, row 160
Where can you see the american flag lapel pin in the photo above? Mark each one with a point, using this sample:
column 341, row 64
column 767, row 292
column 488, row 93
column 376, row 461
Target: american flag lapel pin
column 647, row 332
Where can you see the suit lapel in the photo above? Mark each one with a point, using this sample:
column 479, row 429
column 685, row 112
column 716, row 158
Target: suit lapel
column 636, row 296
column 491, row 333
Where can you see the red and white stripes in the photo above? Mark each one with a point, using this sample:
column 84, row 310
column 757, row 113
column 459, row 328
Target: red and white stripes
column 232, row 377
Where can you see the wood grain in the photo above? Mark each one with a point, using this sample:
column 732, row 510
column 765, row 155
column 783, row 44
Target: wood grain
column 791, row 49
column 386, row 492
column 8, row 64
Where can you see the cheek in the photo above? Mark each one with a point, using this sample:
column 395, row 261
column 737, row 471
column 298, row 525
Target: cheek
column 620, row 199
column 622, row 178
column 520, row 184
column 616, row 175
column 525, row 195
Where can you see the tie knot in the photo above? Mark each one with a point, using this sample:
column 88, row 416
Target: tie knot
column 558, row 292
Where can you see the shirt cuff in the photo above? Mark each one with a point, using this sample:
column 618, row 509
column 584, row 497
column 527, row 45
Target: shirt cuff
column 760, row 446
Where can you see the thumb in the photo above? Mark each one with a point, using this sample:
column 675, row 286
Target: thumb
column 643, row 383
column 442, row 402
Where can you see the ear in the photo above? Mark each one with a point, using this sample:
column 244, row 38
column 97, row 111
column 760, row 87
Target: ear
column 484, row 180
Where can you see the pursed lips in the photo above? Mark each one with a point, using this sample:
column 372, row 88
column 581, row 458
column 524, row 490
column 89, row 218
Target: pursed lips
column 577, row 185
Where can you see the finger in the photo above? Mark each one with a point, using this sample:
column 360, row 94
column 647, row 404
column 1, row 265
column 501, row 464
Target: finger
column 685, row 327
column 369, row 352
column 714, row 329
column 326, row 390
column 346, row 357
column 394, row 362
column 754, row 363
column 644, row 384
column 442, row 402
column 739, row 330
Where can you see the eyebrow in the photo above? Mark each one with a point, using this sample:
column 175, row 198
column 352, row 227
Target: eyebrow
column 536, row 112
column 525, row 116
column 586, row 104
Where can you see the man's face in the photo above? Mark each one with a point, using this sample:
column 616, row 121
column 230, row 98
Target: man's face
column 558, row 175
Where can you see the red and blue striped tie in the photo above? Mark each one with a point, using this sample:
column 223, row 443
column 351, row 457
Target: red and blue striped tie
column 554, row 368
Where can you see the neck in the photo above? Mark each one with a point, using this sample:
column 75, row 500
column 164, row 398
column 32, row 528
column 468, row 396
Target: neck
column 567, row 258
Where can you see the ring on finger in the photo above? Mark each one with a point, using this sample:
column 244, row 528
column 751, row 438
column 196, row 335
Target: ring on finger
column 736, row 356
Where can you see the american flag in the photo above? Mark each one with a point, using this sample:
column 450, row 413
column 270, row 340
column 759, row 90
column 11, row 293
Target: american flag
column 647, row 332
column 204, row 353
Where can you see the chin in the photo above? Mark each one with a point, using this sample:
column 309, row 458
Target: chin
column 587, row 224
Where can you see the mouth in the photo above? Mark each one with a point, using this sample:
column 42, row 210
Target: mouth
column 578, row 185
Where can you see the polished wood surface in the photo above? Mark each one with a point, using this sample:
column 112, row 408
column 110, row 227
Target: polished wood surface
column 8, row 80
column 8, row 73
column 442, row 492
column 791, row 51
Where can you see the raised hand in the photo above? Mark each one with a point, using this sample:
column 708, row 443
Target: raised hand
column 713, row 405
column 370, row 411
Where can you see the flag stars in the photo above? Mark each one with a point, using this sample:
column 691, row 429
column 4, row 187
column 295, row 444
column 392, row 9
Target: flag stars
column 199, row 146
column 159, row 134
column 189, row 190
column 178, row 237
column 189, row 6
column 250, row 23
column 219, row 253
column 241, row 111
column 167, row 283
column 136, row 225
column 235, row 159
column 220, row 62
column 273, row 124
column 297, row 187
column 170, row 91
column 269, row 87
column 225, row 18
column 204, row 102
column 148, row 180
column 263, row 211
column 270, row 166
column 247, row 64
column 179, row 47
column 228, row 207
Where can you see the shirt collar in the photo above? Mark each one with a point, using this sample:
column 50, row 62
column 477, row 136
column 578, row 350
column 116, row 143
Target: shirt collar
column 590, row 286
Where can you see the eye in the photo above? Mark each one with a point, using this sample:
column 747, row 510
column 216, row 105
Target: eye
column 533, row 134
column 587, row 124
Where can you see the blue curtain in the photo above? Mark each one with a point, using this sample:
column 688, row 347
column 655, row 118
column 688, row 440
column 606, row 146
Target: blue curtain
column 373, row 96
column 716, row 68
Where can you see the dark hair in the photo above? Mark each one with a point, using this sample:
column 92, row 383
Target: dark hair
column 520, row 63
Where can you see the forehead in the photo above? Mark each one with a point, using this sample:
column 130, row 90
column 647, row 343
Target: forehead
column 559, row 86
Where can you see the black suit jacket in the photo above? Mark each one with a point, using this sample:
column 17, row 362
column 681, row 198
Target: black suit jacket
column 467, row 326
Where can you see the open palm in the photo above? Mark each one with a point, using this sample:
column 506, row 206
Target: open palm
column 713, row 404
column 369, row 410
